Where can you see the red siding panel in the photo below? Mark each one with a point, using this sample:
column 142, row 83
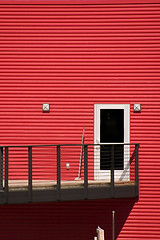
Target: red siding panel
column 26, row 2
column 73, row 56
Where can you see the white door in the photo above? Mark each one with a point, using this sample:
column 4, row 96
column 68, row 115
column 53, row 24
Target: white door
column 112, row 125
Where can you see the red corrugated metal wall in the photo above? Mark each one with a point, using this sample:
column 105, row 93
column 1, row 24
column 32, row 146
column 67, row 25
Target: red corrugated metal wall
column 73, row 56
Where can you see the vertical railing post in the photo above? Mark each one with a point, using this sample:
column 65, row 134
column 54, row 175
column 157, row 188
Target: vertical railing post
column 58, row 172
column 112, row 171
column 85, row 171
column 1, row 168
column 30, row 174
column 6, row 175
column 137, row 169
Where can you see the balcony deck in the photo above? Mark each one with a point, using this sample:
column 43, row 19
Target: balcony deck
column 15, row 185
column 42, row 190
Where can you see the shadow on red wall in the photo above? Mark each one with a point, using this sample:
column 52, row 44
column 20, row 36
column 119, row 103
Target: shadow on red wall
column 63, row 220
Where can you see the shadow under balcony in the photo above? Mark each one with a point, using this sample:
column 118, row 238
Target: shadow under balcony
column 43, row 173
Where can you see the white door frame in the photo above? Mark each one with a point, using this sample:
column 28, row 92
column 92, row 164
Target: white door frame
column 120, row 175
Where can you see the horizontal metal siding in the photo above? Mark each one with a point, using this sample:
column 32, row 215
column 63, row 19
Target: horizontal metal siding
column 73, row 56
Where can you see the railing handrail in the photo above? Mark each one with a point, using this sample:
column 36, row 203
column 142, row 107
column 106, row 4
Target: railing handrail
column 67, row 145
column 4, row 163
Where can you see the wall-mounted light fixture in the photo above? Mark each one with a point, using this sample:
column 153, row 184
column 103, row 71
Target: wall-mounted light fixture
column 67, row 166
column 137, row 107
column 45, row 107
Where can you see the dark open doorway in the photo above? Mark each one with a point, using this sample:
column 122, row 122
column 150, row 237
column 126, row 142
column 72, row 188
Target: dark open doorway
column 111, row 131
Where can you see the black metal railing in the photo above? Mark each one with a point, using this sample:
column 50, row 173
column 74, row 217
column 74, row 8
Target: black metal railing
column 39, row 168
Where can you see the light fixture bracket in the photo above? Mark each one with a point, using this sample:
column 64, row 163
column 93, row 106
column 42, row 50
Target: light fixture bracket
column 137, row 107
column 45, row 107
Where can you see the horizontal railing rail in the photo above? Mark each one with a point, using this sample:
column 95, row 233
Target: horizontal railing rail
column 54, row 145
column 55, row 167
